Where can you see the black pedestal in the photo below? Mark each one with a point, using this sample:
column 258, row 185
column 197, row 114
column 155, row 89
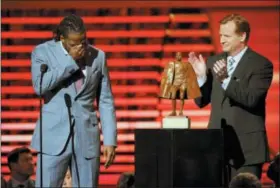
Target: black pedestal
column 178, row 158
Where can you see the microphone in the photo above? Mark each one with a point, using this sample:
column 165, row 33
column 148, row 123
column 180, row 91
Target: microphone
column 67, row 100
column 43, row 69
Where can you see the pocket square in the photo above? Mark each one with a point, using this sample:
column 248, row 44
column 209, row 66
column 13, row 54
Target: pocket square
column 236, row 79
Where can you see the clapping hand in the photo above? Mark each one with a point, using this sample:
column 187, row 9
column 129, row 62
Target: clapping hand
column 220, row 70
column 198, row 64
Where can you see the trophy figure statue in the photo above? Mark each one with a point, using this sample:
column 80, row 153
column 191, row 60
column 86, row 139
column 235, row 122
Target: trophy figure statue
column 179, row 82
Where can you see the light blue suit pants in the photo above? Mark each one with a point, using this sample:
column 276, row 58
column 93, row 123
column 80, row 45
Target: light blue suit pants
column 55, row 167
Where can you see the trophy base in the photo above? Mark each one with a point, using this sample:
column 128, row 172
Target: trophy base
column 176, row 122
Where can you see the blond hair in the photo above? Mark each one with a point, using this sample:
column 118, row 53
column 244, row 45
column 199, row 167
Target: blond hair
column 242, row 24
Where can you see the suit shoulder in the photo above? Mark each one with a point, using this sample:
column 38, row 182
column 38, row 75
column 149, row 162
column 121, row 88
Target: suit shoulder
column 98, row 50
column 43, row 46
column 40, row 47
column 260, row 59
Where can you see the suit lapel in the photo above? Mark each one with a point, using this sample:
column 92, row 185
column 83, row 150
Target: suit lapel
column 241, row 68
column 242, row 65
column 88, row 74
column 91, row 66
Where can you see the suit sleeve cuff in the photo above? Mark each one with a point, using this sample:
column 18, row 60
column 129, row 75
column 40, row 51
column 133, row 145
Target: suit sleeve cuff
column 201, row 80
column 225, row 83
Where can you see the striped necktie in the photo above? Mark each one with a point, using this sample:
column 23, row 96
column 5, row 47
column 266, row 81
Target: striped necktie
column 230, row 66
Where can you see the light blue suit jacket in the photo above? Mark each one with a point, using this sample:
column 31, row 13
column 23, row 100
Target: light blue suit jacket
column 60, row 80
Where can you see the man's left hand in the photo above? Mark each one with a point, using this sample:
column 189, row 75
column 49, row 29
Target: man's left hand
column 109, row 155
column 220, row 70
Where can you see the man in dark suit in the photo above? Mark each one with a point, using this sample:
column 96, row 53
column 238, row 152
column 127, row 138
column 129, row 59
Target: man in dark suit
column 236, row 82
column 21, row 164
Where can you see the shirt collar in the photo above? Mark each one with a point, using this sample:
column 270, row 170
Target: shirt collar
column 238, row 56
column 16, row 183
column 64, row 50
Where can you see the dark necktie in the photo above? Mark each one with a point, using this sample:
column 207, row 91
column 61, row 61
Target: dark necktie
column 20, row 186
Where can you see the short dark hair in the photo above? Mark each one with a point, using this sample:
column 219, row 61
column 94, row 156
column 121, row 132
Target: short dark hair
column 242, row 24
column 71, row 23
column 245, row 180
column 14, row 155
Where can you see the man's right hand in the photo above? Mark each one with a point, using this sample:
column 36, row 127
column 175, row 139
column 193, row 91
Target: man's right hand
column 77, row 52
column 198, row 64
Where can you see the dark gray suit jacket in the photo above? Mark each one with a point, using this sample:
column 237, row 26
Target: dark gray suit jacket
column 240, row 109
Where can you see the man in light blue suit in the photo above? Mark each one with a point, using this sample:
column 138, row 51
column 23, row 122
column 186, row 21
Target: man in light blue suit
column 77, row 144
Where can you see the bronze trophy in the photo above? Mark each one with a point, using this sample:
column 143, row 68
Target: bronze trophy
column 179, row 81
